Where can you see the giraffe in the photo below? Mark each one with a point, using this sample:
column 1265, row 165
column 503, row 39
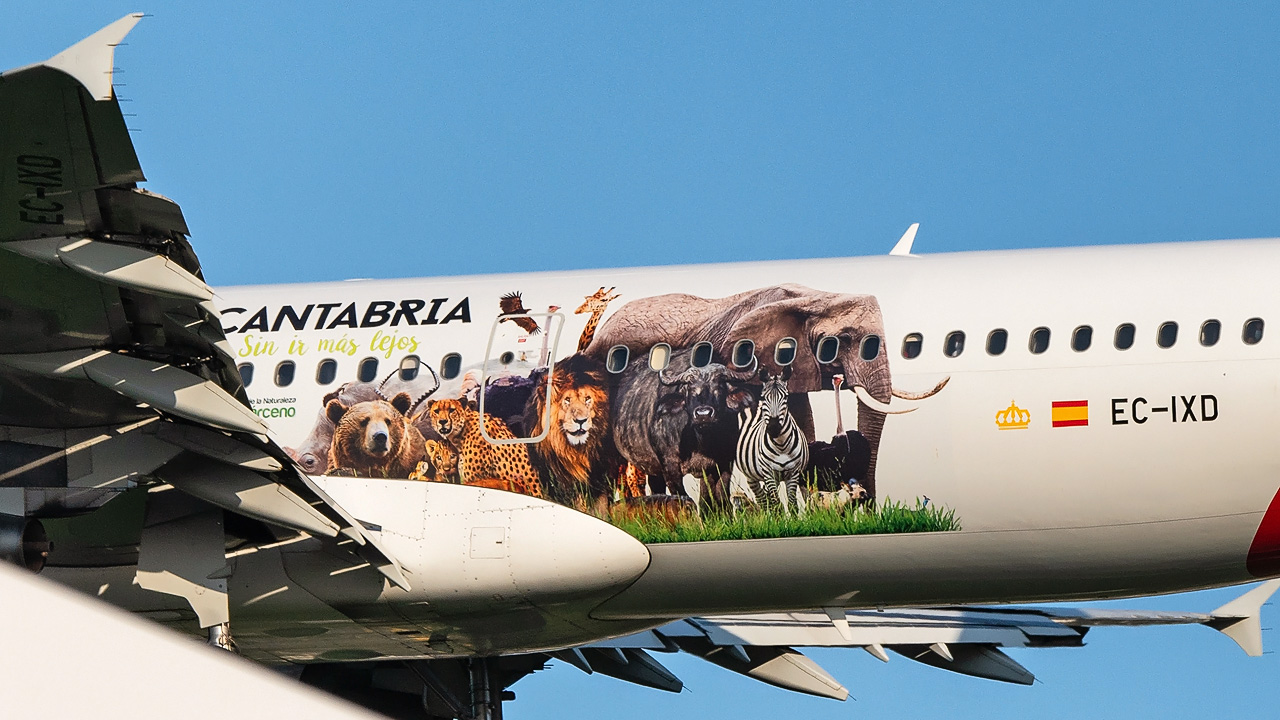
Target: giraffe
column 594, row 304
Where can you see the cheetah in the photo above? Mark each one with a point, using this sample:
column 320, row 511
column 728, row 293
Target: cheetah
column 632, row 482
column 479, row 461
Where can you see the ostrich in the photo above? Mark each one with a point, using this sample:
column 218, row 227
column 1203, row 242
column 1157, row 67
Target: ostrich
column 836, row 381
column 843, row 460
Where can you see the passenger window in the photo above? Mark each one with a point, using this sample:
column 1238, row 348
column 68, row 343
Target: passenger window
column 1210, row 331
column 953, row 345
column 1039, row 340
column 450, row 366
column 870, row 348
column 616, row 362
column 911, row 345
column 1124, row 336
column 701, row 355
column 659, row 357
column 326, row 372
column 1252, row 333
column 1082, row 338
column 744, row 353
column 784, row 353
column 246, row 373
column 284, row 373
column 828, row 348
column 410, row 366
column 997, row 341
column 1167, row 335
column 368, row 370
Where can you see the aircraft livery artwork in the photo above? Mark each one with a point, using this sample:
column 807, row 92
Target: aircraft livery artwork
column 677, row 417
column 435, row 486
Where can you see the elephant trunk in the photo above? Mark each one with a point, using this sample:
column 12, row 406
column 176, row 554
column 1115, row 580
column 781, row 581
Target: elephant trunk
column 871, row 384
column 871, row 425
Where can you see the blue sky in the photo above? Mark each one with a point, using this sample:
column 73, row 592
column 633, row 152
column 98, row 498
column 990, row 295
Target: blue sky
column 410, row 139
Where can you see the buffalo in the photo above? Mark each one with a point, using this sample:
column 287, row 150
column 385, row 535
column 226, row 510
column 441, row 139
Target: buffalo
column 682, row 420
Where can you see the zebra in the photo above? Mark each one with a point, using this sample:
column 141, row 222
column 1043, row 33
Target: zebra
column 772, row 450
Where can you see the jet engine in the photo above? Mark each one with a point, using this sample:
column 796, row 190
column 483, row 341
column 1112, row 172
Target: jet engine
column 23, row 542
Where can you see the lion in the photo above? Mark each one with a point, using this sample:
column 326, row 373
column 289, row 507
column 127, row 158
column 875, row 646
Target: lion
column 576, row 454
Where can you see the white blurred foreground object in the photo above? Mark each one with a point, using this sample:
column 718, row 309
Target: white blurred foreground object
column 127, row 667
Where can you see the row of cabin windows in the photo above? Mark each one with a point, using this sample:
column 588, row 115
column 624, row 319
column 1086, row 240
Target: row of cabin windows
column 366, row 371
column 743, row 354
column 1082, row 338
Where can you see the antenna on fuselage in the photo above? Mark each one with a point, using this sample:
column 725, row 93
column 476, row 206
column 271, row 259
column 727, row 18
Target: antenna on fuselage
column 903, row 247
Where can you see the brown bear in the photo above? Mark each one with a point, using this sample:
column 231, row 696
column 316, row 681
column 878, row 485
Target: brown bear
column 375, row 438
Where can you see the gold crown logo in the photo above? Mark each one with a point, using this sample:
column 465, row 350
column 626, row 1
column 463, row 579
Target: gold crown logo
column 1013, row 418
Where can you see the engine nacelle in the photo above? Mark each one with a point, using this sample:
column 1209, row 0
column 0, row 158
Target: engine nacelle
column 23, row 542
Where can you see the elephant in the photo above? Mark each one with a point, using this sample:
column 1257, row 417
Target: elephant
column 766, row 316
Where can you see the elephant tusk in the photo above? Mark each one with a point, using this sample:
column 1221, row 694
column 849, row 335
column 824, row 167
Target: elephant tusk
column 865, row 398
column 921, row 395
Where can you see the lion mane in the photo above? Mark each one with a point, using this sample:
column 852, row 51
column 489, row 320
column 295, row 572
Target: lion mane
column 576, row 453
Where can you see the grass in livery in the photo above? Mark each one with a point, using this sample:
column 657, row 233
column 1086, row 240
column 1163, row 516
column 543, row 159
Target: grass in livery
column 885, row 516
column 678, row 418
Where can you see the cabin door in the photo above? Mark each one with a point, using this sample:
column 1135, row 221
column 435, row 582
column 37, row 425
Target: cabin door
column 520, row 356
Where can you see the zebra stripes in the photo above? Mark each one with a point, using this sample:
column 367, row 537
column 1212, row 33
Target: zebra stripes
column 772, row 451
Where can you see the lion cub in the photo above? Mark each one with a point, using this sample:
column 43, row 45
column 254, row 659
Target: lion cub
column 441, row 464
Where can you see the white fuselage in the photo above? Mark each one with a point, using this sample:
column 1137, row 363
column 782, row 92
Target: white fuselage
column 1163, row 489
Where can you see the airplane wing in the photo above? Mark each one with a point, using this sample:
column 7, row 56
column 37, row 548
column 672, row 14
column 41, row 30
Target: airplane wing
column 114, row 370
column 966, row 640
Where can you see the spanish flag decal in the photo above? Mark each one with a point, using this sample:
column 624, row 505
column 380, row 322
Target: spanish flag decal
column 1070, row 413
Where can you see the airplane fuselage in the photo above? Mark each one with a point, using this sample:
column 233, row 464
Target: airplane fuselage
column 464, row 469
column 1109, row 472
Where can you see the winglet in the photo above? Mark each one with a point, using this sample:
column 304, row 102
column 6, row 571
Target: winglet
column 903, row 247
column 1240, row 619
column 92, row 60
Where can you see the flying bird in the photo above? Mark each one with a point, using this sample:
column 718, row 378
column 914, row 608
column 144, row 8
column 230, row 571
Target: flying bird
column 513, row 304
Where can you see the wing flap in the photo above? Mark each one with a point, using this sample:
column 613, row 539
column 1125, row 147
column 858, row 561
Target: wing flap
column 632, row 665
column 984, row 661
column 120, row 265
column 234, row 488
column 965, row 640
column 107, row 316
